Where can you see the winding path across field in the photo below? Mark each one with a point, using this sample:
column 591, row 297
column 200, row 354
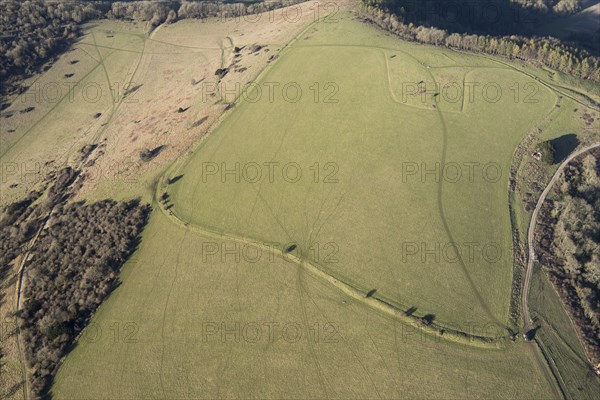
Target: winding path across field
column 530, row 234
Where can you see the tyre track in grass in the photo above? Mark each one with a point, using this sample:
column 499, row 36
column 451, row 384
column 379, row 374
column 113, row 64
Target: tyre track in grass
column 26, row 255
column 527, row 322
column 442, row 213
column 35, row 124
column 202, row 50
column 545, row 367
column 352, row 291
column 382, row 305
column 319, row 369
column 302, row 285
column 172, row 286
column 220, row 235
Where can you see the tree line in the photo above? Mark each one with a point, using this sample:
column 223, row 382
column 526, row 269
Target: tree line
column 73, row 265
column 568, row 239
column 545, row 51
column 32, row 32
column 497, row 17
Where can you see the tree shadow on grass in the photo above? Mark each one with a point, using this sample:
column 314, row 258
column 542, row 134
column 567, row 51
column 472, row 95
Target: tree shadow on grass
column 175, row 179
column 410, row 311
column 564, row 146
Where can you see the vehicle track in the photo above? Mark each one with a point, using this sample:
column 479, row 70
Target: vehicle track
column 527, row 323
column 21, row 271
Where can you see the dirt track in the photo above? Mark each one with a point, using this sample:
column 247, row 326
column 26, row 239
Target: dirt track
column 527, row 326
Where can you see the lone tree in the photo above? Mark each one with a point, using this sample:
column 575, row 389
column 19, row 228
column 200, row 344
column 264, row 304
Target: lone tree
column 548, row 152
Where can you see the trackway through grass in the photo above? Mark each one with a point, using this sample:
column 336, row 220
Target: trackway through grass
column 170, row 292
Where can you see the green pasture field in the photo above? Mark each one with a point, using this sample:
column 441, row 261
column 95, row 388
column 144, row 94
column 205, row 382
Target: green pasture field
column 364, row 154
column 382, row 163
column 558, row 338
column 184, row 326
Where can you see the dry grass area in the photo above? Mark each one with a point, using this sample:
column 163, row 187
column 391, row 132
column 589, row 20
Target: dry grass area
column 176, row 72
column 10, row 366
column 127, row 89
column 122, row 87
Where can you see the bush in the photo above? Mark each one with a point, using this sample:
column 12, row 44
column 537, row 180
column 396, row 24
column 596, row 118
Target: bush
column 548, row 152
column 74, row 266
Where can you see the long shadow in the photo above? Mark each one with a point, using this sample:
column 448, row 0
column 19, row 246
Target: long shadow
column 175, row 179
column 490, row 17
column 153, row 153
column 133, row 89
column 564, row 146
column 410, row 311
column 199, row 122
column 530, row 334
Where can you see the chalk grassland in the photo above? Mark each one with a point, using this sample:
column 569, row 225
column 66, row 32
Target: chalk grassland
column 176, row 297
column 120, row 86
column 161, row 333
column 376, row 211
column 183, row 327
column 137, row 81
column 65, row 101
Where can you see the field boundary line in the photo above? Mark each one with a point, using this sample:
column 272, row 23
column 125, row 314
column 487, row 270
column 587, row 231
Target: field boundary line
column 530, row 262
column 386, row 307
column 443, row 218
column 550, row 86
column 383, row 306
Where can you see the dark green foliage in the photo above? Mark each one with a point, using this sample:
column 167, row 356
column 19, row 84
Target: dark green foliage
column 548, row 152
column 74, row 266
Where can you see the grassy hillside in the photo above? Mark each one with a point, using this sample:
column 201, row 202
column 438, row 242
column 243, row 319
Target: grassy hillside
column 393, row 222
column 389, row 173
column 179, row 327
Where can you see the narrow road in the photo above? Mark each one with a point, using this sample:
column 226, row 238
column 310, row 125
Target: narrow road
column 527, row 326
